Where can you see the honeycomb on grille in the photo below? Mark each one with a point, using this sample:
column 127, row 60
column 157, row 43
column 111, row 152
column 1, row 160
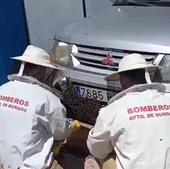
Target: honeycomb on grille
column 80, row 108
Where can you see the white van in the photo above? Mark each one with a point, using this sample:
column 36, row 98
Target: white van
column 103, row 37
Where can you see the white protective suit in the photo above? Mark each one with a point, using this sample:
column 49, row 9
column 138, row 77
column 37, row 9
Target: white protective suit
column 31, row 118
column 136, row 125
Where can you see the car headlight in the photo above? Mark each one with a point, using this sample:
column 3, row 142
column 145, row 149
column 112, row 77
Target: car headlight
column 62, row 54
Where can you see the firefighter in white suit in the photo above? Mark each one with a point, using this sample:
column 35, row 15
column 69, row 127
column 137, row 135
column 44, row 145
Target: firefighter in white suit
column 136, row 122
column 32, row 115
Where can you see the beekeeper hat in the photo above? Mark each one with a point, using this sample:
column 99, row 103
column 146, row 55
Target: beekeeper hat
column 132, row 62
column 37, row 56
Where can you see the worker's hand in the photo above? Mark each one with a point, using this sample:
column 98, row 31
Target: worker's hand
column 76, row 125
column 57, row 146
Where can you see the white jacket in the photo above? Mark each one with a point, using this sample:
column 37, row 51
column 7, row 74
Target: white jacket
column 136, row 125
column 31, row 117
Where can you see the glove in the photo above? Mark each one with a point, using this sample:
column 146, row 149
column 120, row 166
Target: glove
column 57, row 146
column 76, row 125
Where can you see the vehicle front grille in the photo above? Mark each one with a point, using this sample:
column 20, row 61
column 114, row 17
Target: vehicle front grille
column 91, row 58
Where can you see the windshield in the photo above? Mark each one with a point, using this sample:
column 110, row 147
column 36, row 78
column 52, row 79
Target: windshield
column 142, row 2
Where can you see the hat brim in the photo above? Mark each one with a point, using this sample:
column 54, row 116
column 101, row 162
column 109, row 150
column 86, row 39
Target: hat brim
column 115, row 76
column 20, row 58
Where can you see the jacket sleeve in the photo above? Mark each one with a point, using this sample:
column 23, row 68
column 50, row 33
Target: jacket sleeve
column 53, row 118
column 60, row 126
column 98, row 142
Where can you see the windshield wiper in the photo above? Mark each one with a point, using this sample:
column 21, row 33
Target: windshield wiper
column 130, row 3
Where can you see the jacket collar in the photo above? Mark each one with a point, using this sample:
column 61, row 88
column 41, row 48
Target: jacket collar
column 31, row 80
column 138, row 88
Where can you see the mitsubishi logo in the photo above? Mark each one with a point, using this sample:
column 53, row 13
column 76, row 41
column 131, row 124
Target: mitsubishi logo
column 108, row 60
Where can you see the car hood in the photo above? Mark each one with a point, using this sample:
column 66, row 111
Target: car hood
column 137, row 28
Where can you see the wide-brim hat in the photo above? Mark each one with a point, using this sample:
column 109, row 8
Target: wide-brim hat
column 132, row 62
column 37, row 56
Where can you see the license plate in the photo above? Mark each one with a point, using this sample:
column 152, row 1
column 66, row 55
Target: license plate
column 98, row 94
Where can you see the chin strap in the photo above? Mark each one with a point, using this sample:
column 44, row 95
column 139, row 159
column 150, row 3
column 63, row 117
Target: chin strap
column 21, row 70
column 147, row 77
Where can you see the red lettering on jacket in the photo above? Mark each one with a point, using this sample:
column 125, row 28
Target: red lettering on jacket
column 130, row 111
column 26, row 104
column 13, row 100
column 148, row 108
